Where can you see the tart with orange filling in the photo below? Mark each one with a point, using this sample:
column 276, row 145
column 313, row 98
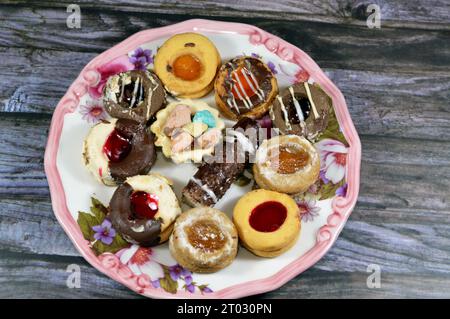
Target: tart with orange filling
column 187, row 64
column 287, row 164
column 204, row 240
column 268, row 222
column 245, row 86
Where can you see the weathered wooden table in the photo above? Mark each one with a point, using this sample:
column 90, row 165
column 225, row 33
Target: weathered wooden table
column 397, row 84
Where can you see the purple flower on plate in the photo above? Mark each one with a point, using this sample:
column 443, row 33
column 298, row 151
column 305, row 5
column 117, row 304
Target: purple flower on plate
column 272, row 67
column 177, row 271
column 308, row 209
column 342, row 191
column 206, row 290
column 93, row 112
column 323, row 178
column 104, row 232
column 141, row 58
column 256, row 55
column 190, row 286
column 156, row 283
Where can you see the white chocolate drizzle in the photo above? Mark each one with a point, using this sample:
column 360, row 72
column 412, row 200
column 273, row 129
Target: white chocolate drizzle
column 205, row 188
column 296, row 105
column 313, row 106
column 241, row 93
column 283, row 108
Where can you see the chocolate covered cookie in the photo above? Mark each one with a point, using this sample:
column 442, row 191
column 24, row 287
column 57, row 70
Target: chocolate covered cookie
column 302, row 109
column 134, row 95
column 143, row 209
column 118, row 149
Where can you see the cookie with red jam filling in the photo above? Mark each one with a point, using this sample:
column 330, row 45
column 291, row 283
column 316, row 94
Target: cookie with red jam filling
column 143, row 209
column 268, row 222
column 117, row 149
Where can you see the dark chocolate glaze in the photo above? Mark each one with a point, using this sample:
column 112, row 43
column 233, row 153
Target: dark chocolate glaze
column 218, row 175
column 138, row 105
column 262, row 74
column 142, row 155
column 311, row 127
column 145, row 232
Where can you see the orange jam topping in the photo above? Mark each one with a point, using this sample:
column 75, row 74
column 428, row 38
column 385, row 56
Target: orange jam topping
column 205, row 235
column 187, row 67
column 288, row 160
column 242, row 85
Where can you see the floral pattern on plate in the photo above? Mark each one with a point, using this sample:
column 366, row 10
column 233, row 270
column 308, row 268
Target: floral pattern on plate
column 143, row 262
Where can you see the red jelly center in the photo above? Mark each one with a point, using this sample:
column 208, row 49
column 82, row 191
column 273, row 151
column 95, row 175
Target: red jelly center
column 268, row 217
column 144, row 205
column 117, row 146
column 242, row 87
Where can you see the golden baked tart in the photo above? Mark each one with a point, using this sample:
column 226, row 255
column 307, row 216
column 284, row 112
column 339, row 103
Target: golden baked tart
column 268, row 222
column 287, row 164
column 187, row 64
column 204, row 240
column 245, row 86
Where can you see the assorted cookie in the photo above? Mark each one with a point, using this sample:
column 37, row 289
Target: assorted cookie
column 245, row 86
column 187, row 64
column 214, row 177
column 118, row 149
column 134, row 95
column 302, row 109
column 268, row 222
column 204, row 240
column 143, row 209
column 187, row 130
column 286, row 163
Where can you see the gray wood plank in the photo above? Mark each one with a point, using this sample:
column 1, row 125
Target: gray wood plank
column 332, row 45
column 40, row 276
column 384, row 102
column 401, row 13
column 22, row 155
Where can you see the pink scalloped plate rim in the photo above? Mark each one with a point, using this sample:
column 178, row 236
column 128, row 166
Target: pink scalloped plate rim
column 341, row 206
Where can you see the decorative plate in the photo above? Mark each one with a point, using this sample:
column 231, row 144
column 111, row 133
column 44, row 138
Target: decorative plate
column 78, row 200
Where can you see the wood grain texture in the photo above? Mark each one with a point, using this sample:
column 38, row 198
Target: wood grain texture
column 403, row 13
column 380, row 102
column 331, row 45
column 396, row 83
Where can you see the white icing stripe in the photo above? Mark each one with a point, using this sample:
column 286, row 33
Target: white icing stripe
column 283, row 108
column 122, row 87
column 231, row 98
column 136, row 85
column 206, row 189
column 241, row 87
column 250, row 83
column 313, row 106
column 257, row 85
column 297, row 106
